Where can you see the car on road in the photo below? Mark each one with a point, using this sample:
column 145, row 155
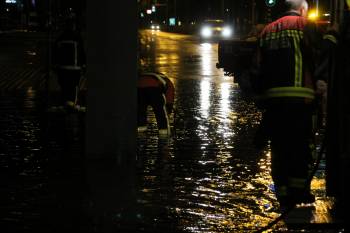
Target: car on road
column 215, row 29
column 155, row 26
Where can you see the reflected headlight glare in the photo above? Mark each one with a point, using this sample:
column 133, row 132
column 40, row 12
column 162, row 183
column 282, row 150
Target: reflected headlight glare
column 227, row 32
column 206, row 32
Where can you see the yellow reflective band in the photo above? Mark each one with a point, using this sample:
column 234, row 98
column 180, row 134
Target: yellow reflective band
column 331, row 38
column 285, row 33
column 301, row 34
column 298, row 60
column 290, row 92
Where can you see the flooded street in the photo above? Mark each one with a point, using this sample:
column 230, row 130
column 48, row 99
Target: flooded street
column 206, row 178
column 208, row 175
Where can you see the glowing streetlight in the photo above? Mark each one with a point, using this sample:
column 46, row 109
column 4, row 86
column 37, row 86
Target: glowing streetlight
column 313, row 14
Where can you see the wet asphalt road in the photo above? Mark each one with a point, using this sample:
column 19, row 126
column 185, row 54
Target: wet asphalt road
column 206, row 178
column 212, row 174
column 40, row 154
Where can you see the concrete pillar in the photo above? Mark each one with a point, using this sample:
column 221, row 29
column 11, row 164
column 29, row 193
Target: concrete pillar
column 111, row 77
column 111, row 112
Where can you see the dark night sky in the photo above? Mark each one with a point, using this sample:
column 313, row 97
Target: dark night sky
column 238, row 10
column 198, row 9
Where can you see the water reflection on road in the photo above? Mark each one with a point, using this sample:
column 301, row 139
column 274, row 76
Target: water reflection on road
column 207, row 177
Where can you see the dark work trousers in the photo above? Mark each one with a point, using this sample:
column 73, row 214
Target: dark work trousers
column 68, row 81
column 154, row 97
column 289, row 127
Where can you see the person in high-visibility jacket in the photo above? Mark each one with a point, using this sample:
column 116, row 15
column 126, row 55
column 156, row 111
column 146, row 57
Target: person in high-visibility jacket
column 155, row 90
column 286, row 86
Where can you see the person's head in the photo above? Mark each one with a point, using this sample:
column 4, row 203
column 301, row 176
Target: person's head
column 298, row 6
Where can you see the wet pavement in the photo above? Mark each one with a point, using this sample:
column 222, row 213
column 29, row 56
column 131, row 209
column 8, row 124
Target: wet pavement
column 41, row 153
column 206, row 178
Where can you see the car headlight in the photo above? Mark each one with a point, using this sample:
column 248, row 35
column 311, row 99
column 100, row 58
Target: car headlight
column 206, row 32
column 157, row 27
column 152, row 27
column 226, row 32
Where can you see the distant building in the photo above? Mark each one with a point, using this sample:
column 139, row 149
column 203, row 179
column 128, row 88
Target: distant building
column 38, row 14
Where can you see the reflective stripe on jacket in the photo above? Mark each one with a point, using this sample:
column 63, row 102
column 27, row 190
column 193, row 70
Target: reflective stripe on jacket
column 331, row 38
